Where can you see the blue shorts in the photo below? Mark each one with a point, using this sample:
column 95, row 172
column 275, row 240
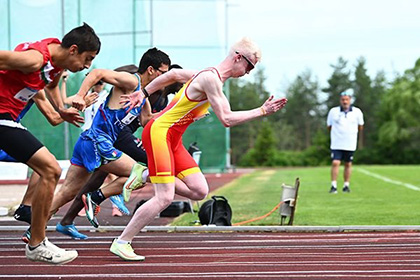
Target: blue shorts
column 346, row 156
column 5, row 157
column 91, row 154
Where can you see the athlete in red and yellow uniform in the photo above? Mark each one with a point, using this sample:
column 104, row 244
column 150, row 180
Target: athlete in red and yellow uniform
column 167, row 157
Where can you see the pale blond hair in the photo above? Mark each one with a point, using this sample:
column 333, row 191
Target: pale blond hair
column 246, row 47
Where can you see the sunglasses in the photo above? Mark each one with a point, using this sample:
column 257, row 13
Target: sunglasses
column 250, row 64
column 161, row 71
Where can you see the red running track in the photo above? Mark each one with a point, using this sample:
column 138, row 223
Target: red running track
column 355, row 255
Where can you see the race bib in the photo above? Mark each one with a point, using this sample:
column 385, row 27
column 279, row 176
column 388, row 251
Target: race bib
column 25, row 94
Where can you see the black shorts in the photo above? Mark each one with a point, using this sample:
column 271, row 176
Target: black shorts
column 18, row 143
column 346, row 156
column 131, row 146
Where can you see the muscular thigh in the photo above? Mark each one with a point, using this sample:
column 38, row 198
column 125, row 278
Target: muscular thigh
column 120, row 167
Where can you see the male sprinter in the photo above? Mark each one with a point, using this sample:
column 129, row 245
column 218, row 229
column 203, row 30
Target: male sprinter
column 95, row 148
column 168, row 160
column 23, row 72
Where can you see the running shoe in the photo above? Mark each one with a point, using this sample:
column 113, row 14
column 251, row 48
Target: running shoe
column 116, row 212
column 26, row 235
column 333, row 190
column 92, row 209
column 135, row 181
column 71, row 231
column 23, row 213
column 125, row 251
column 49, row 253
column 346, row 189
column 118, row 201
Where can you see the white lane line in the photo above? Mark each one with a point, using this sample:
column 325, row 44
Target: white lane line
column 337, row 256
column 266, row 247
column 388, row 180
column 258, row 241
column 233, row 265
column 227, row 236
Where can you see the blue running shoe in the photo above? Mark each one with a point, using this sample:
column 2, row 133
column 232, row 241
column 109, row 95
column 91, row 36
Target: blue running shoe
column 71, row 231
column 118, row 201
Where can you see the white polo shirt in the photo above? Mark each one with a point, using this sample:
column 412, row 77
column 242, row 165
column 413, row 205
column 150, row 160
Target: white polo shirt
column 344, row 127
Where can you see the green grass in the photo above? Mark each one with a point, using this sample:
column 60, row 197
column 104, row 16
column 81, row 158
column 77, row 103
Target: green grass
column 371, row 201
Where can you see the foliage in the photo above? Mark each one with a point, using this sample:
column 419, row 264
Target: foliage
column 296, row 136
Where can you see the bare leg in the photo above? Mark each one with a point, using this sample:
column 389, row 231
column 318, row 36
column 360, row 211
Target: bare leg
column 120, row 167
column 334, row 169
column 94, row 183
column 45, row 164
column 193, row 186
column 164, row 195
column 114, row 188
column 347, row 171
column 76, row 177
column 27, row 198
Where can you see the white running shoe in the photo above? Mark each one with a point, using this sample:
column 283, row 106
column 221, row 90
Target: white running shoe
column 135, row 181
column 125, row 251
column 49, row 253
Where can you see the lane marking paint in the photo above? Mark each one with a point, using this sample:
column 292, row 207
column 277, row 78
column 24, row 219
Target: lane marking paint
column 388, row 180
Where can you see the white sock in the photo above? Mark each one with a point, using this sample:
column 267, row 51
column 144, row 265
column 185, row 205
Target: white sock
column 347, row 184
column 334, row 184
column 145, row 175
column 120, row 241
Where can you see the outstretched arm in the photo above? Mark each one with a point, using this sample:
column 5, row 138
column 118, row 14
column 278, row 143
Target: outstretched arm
column 212, row 87
column 123, row 80
column 26, row 61
column 175, row 75
column 71, row 116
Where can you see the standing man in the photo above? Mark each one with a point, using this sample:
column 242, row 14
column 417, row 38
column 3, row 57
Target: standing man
column 168, row 161
column 23, row 72
column 344, row 123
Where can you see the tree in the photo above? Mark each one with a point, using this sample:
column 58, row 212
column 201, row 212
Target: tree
column 302, row 109
column 337, row 83
column 363, row 97
column 246, row 96
column 399, row 132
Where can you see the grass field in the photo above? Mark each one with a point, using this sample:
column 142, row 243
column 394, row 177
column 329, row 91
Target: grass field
column 380, row 195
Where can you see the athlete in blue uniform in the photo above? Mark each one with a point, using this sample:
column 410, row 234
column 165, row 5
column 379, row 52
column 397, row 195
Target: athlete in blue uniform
column 95, row 147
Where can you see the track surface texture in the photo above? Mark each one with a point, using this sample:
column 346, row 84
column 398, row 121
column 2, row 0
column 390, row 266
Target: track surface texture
column 226, row 255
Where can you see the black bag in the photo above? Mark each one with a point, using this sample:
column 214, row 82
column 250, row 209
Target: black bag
column 215, row 211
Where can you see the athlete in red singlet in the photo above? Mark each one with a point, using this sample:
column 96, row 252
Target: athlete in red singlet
column 168, row 161
column 23, row 72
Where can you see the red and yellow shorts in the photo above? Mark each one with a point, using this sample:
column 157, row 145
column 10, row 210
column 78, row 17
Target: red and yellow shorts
column 166, row 156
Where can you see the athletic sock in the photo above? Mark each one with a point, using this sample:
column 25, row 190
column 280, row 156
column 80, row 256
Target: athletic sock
column 145, row 175
column 334, row 184
column 120, row 241
column 33, row 247
column 97, row 196
column 347, row 184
